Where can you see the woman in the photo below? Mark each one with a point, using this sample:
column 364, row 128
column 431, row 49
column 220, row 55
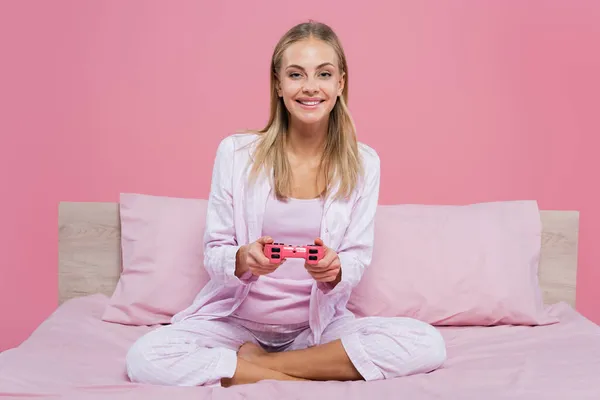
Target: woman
column 302, row 179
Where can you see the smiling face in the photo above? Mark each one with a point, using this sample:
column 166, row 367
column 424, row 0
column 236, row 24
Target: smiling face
column 310, row 81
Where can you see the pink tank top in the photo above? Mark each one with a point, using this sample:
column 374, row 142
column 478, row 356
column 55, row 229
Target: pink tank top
column 282, row 297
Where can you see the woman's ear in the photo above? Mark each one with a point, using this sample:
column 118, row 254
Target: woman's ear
column 278, row 86
column 342, row 83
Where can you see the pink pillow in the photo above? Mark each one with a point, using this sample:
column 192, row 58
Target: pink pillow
column 162, row 251
column 455, row 265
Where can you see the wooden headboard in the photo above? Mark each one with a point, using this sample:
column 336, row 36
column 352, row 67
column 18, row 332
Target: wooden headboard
column 90, row 251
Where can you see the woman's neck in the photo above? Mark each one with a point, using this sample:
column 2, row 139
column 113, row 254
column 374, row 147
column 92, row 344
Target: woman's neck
column 307, row 141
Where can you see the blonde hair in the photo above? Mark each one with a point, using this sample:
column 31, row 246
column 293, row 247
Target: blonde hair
column 340, row 162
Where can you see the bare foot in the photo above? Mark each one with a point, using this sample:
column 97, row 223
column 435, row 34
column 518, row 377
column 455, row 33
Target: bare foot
column 251, row 352
column 246, row 372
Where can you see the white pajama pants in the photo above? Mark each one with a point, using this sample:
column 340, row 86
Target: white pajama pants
column 201, row 353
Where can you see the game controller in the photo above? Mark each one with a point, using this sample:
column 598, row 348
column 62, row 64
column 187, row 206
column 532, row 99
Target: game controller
column 276, row 252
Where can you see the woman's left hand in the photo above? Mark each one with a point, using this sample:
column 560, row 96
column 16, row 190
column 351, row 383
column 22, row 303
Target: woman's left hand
column 328, row 269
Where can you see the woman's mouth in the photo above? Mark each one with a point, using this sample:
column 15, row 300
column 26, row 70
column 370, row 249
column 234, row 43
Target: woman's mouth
column 309, row 103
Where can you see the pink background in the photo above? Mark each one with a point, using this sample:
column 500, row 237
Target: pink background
column 464, row 101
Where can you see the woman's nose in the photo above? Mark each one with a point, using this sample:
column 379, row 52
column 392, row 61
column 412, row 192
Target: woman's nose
column 310, row 86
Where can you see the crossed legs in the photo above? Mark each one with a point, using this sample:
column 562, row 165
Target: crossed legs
column 324, row 362
column 358, row 349
column 215, row 353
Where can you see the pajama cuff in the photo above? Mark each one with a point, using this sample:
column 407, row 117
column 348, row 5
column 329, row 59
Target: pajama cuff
column 226, row 366
column 360, row 358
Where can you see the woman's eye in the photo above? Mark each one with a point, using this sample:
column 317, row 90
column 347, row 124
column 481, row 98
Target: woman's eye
column 294, row 75
column 325, row 74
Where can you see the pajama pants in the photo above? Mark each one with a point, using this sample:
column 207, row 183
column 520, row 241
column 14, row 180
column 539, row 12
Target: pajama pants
column 201, row 353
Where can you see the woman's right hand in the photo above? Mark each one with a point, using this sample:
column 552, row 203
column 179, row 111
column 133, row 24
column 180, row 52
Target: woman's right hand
column 251, row 257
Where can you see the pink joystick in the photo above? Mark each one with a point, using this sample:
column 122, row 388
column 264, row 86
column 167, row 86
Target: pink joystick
column 276, row 252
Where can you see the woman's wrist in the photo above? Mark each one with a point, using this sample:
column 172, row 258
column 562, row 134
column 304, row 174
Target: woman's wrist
column 337, row 280
column 240, row 267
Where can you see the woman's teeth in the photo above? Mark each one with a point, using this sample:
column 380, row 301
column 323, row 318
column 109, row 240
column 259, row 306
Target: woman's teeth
column 309, row 103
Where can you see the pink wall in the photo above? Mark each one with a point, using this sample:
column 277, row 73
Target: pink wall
column 465, row 103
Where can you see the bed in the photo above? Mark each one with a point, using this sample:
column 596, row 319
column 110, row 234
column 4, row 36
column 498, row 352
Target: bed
column 74, row 354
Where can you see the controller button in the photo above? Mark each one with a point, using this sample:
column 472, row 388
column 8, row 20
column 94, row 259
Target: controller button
column 275, row 249
column 312, row 258
column 275, row 256
column 313, row 251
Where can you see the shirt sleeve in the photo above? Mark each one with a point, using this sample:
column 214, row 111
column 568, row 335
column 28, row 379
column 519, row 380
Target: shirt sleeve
column 220, row 243
column 356, row 249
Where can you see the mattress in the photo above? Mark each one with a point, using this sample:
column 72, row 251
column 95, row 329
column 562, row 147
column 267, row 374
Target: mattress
column 74, row 354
